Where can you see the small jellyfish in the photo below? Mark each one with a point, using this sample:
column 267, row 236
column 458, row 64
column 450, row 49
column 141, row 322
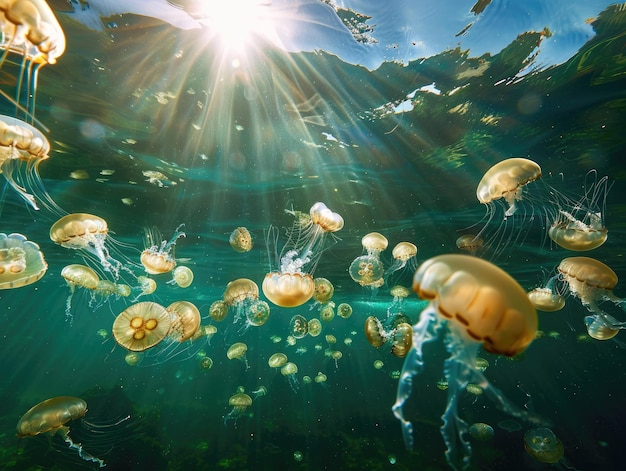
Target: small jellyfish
column 241, row 240
column 141, row 326
column 320, row 378
column 344, row 310
column 297, row 456
column 277, row 360
column 327, row 312
column 51, row 416
column 237, row 351
column 469, row 243
column 597, row 328
column 292, row 284
column 543, row 445
column 401, row 339
column 324, row 290
column 471, row 302
column 367, row 270
column 258, row 313
column 259, row 392
column 158, row 256
column 133, row 358
column 185, row 320
column 399, row 293
column 206, row 363
column 314, row 327
column 374, row 332
column 403, row 257
column 239, row 295
column 298, row 326
column 146, row 285
column 481, row 431
column 182, row 277
column 21, row 261
column 374, row 243
column 218, row 310
column 378, row 364
column 289, row 370
column 240, row 403
column 78, row 276
column 545, row 300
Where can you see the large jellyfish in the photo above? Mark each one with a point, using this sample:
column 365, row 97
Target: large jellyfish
column 51, row 417
column 592, row 282
column 158, row 256
column 470, row 302
column 142, row 326
column 292, row 285
column 89, row 234
column 21, row 261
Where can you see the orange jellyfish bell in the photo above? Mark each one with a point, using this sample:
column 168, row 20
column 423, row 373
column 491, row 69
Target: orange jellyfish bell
column 186, row 320
column 50, row 415
column 322, row 216
column 78, row 230
column 142, row 326
column 288, row 289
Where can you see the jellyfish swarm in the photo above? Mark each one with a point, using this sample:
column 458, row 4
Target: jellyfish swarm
column 592, row 282
column 89, row 234
column 21, row 261
column 470, row 302
column 293, row 284
column 158, row 256
column 50, row 417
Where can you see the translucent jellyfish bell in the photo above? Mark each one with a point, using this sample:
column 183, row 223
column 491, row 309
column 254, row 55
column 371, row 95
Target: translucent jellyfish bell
column 239, row 295
column 292, row 285
column 21, row 261
column 51, row 416
column 404, row 254
column 240, row 403
column 237, row 351
column 158, row 256
column 289, row 370
column 543, row 445
column 78, row 276
column 471, row 302
column 374, row 243
column 241, row 240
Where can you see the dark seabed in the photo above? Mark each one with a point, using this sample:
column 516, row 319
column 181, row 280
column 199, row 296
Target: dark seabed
column 167, row 113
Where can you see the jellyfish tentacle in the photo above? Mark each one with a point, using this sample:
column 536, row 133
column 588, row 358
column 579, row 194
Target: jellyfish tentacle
column 79, row 448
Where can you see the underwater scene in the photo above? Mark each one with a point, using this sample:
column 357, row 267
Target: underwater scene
column 312, row 235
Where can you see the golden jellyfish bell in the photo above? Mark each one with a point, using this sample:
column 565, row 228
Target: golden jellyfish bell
column 288, row 289
column 183, row 276
column 288, row 369
column 404, row 251
column 324, row 290
column 543, row 445
column 327, row 312
column 218, row 310
column 344, row 310
column 298, row 326
column 598, row 329
column 157, row 263
column 469, row 243
column 147, row 284
column 374, row 332
column 399, row 291
column 239, row 290
column 186, row 319
column 402, row 340
column 545, row 300
column 241, row 240
column 240, row 401
column 589, row 272
column 374, row 242
column 237, row 351
column 50, row 415
column 315, row 327
column 77, row 230
column 277, row 360
column 577, row 236
column 21, row 261
column 481, row 300
column 80, row 275
column 323, row 217
column 142, row 326
column 506, row 178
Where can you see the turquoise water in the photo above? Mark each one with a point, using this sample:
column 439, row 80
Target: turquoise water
column 393, row 130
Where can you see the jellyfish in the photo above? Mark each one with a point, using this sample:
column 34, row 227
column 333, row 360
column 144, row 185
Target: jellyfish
column 277, row 360
column 314, row 327
column 89, row 234
column 292, row 285
column 344, row 310
column 401, row 340
column 592, row 282
column 78, row 276
column 21, row 261
column 368, row 271
column 51, row 416
column 241, row 240
column 237, row 351
column 403, row 254
column 399, row 293
column 298, row 326
column 470, row 302
column 597, row 328
column 469, row 243
column 289, row 370
column 240, row 403
column 158, row 256
column 374, row 332
column 182, row 277
column 374, row 244
column 146, row 285
column 327, row 312
column 206, row 363
column 259, row 392
column 544, row 299
column 542, row 444
column 324, row 290
column 481, row 431
column 258, row 313
column 133, row 358
column 218, row 310
column 142, row 326
column 185, row 320
column 320, row 378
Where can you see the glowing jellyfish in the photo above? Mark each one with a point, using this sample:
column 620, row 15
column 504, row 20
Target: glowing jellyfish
column 237, row 351
column 78, row 276
column 277, row 360
column 320, row 378
column 51, row 416
column 289, row 370
column 89, row 234
column 543, row 445
column 292, row 285
column 133, row 358
column 481, row 431
column 314, row 327
column 506, row 180
column 403, row 257
column 258, row 313
column 471, row 302
column 327, row 312
column 298, row 326
column 367, row 270
column 185, row 321
column 374, row 243
column 592, row 282
column 21, row 261
column 182, row 277
column 374, row 332
column 378, row 364
column 218, row 310
column 142, row 326
column 344, row 310
column 239, row 295
column 469, row 243
column 597, row 328
column 241, row 240
column 240, row 403
column 545, row 300
column 324, row 290
column 158, row 256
